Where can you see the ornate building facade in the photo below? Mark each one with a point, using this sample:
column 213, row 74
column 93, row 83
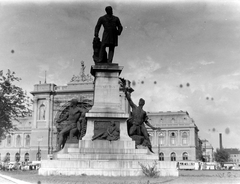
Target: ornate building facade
column 177, row 136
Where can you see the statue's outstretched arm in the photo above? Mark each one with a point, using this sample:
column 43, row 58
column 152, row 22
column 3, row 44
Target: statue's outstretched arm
column 149, row 124
column 128, row 96
column 63, row 119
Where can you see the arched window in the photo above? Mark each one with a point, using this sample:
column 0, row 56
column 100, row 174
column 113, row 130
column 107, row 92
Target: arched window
column 173, row 120
column 173, row 138
column 161, row 139
column 18, row 141
column 27, row 140
column 9, row 140
column 185, row 156
column 8, row 157
column 41, row 115
column 161, row 156
column 184, row 138
column 173, row 156
column 17, row 157
column 26, row 157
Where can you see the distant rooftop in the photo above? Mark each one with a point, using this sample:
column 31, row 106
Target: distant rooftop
column 169, row 112
column 232, row 150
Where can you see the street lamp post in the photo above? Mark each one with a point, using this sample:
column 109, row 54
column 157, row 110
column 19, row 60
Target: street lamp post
column 19, row 151
column 39, row 149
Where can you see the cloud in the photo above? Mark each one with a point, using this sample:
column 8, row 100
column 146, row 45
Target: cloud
column 43, row 67
column 143, row 68
column 63, row 64
column 203, row 62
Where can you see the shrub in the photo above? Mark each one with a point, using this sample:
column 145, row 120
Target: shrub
column 150, row 171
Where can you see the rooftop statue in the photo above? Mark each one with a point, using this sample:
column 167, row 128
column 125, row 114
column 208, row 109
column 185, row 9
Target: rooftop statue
column 112, row 29
column 82, row 77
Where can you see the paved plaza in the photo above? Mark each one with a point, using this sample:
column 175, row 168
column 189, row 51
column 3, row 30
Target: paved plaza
column 31, row 177
column 6, row 181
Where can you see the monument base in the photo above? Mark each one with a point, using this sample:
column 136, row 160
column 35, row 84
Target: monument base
column 104, row 158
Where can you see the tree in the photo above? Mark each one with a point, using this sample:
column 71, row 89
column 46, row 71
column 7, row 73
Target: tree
column 14, row 102
column 221, row 156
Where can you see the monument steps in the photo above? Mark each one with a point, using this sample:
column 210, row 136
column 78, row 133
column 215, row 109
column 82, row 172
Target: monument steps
column 110, row 151
column 107, row 172
column 92, row 156
column 89, row 172
column 71, row 152
column 104, row 167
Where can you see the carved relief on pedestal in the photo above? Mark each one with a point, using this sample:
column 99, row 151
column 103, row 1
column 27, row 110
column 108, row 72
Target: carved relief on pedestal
column 106, row 130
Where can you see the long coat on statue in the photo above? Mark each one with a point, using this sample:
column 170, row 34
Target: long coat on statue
column 112, row 29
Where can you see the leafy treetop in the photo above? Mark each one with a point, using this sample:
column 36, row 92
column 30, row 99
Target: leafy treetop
column 14, row 102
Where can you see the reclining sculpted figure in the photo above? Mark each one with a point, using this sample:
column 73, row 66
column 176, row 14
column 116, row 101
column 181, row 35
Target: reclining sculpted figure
column 112, row 133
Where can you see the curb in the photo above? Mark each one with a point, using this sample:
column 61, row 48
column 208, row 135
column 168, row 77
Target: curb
column 14, row 180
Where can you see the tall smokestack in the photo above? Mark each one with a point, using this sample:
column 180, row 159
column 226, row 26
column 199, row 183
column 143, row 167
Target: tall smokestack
column 220, row 141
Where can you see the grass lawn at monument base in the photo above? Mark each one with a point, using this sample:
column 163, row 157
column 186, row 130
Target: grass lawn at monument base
column 33, row 177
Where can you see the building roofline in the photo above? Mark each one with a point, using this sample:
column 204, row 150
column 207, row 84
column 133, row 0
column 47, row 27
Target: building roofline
column 169, row 112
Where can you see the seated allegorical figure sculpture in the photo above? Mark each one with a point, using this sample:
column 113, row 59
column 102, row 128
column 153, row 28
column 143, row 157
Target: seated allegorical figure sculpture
column 75, row 120
column 112, row 133
column 136, row 123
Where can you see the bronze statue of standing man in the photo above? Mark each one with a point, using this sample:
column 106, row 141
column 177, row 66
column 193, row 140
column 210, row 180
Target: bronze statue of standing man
column 112, row 29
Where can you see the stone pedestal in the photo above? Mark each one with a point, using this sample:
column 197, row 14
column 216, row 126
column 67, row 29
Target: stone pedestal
column 106, row 88
column 103, row 157
column 107, row 107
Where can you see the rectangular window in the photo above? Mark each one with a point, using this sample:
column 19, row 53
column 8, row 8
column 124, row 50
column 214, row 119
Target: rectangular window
column 184, row 141
column 161, row 140
column 172, row 140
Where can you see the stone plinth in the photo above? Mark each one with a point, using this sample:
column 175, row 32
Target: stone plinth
column 106, row 88
column 107, row 107
column 100, row 157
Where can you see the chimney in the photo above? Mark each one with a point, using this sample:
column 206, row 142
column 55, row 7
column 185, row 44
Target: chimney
column 220, row 141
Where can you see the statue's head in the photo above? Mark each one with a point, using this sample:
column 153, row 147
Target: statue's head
column 109, row 10
column 74, row 102
column 141, row 102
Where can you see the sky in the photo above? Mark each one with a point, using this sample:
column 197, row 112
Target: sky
column 179, row 55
